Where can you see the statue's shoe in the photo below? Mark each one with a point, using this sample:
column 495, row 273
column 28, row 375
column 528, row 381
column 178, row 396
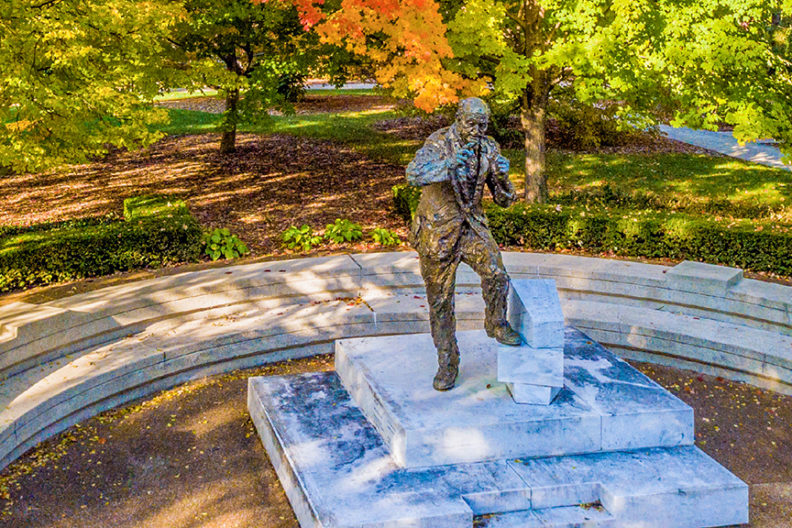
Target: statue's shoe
column 445, row 378
column 505, row 335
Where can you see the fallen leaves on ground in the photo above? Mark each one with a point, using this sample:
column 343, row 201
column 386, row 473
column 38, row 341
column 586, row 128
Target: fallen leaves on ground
column 269, row 184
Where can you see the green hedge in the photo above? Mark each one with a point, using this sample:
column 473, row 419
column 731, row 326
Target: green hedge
column 608, row 196
column 633, row 233
column 158, row 230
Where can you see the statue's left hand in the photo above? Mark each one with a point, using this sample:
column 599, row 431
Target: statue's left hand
column 503, row 165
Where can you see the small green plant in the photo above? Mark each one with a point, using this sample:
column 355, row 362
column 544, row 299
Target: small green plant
column 221, row 243
column 300, row 237
column 343, row 231
column 385, row 237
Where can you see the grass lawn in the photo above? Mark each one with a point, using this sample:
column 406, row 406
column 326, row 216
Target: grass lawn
column 690, row 183
column 186, row 122
column 344, row 91
column 210, row 92
column 700, row 184
column 340, row 156
column 175, row 96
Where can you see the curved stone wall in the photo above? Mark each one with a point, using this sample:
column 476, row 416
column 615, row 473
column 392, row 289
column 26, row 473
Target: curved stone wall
column 66, row 360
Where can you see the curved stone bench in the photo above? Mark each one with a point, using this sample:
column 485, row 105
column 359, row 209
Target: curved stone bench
column 66, row 360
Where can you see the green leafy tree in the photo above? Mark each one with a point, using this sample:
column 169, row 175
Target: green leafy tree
column 255, row 54
column 703, row 62
column 77, row 77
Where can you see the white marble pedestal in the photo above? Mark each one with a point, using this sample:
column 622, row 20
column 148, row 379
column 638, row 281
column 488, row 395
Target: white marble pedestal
column 374, row 446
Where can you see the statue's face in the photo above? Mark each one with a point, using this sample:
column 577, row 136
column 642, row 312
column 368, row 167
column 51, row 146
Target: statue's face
column 472, row 126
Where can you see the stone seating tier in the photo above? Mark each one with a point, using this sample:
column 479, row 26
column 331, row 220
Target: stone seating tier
column 66, row 360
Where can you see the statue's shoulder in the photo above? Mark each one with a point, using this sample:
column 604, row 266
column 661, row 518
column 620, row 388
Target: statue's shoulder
column 438, row 136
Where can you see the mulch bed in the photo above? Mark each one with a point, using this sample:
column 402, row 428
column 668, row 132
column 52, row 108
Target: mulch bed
column 190, row 458
column 270, row 183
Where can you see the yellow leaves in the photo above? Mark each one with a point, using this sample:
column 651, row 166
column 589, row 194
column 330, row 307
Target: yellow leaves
column 405, row 39
column 408, row 46
column 19, row 126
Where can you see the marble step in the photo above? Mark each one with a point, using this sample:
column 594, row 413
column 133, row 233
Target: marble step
column 605, row 404
column 578, row 516
column 31, row 330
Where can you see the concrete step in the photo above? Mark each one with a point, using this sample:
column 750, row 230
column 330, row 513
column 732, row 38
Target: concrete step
column 578, row 516
column 37, row 332
column 244, row 333
column 166, row 353
column 29, row 329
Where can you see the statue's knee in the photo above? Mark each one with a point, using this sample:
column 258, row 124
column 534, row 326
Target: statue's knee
column 499, row 275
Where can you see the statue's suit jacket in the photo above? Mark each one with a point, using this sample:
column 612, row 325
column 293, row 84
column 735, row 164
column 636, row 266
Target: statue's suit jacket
column 440, row 219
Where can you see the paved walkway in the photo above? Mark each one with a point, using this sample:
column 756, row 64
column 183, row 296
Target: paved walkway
column 724, row 142
column 347, row 86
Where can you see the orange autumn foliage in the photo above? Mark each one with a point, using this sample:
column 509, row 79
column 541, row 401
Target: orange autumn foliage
column 406, row 40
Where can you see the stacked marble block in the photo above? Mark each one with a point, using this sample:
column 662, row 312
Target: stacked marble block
column 534, row 371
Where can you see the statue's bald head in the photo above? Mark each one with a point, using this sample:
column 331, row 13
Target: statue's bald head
column 472, row 106
column 472, row 118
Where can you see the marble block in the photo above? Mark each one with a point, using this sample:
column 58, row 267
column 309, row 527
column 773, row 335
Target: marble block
column 605, row 403
column 527, row 365
column 337, row 473
column 532, row 394
column 638, row 494
column 535, row 312
column 704, row 278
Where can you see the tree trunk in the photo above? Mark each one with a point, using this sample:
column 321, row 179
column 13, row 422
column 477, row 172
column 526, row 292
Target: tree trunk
column 228, row 143
column 533, row 115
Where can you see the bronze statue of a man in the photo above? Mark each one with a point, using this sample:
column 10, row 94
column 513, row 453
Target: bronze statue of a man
column 449, row 227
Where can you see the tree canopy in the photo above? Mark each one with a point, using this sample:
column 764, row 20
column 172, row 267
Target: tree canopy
column 255, row 55
column 701, row 62
column 77, row 77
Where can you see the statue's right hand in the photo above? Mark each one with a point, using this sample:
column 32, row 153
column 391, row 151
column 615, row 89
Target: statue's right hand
column 463, row 156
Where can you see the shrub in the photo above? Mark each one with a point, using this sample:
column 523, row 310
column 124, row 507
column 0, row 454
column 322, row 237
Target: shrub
column 744, row 244
column 651, row 235
column 343, row 231
column 300, row 237
column 158, row 230
column 405, row 199
column 221, row 243
column 611, row 196
column 385, row 237
column 583, row 126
